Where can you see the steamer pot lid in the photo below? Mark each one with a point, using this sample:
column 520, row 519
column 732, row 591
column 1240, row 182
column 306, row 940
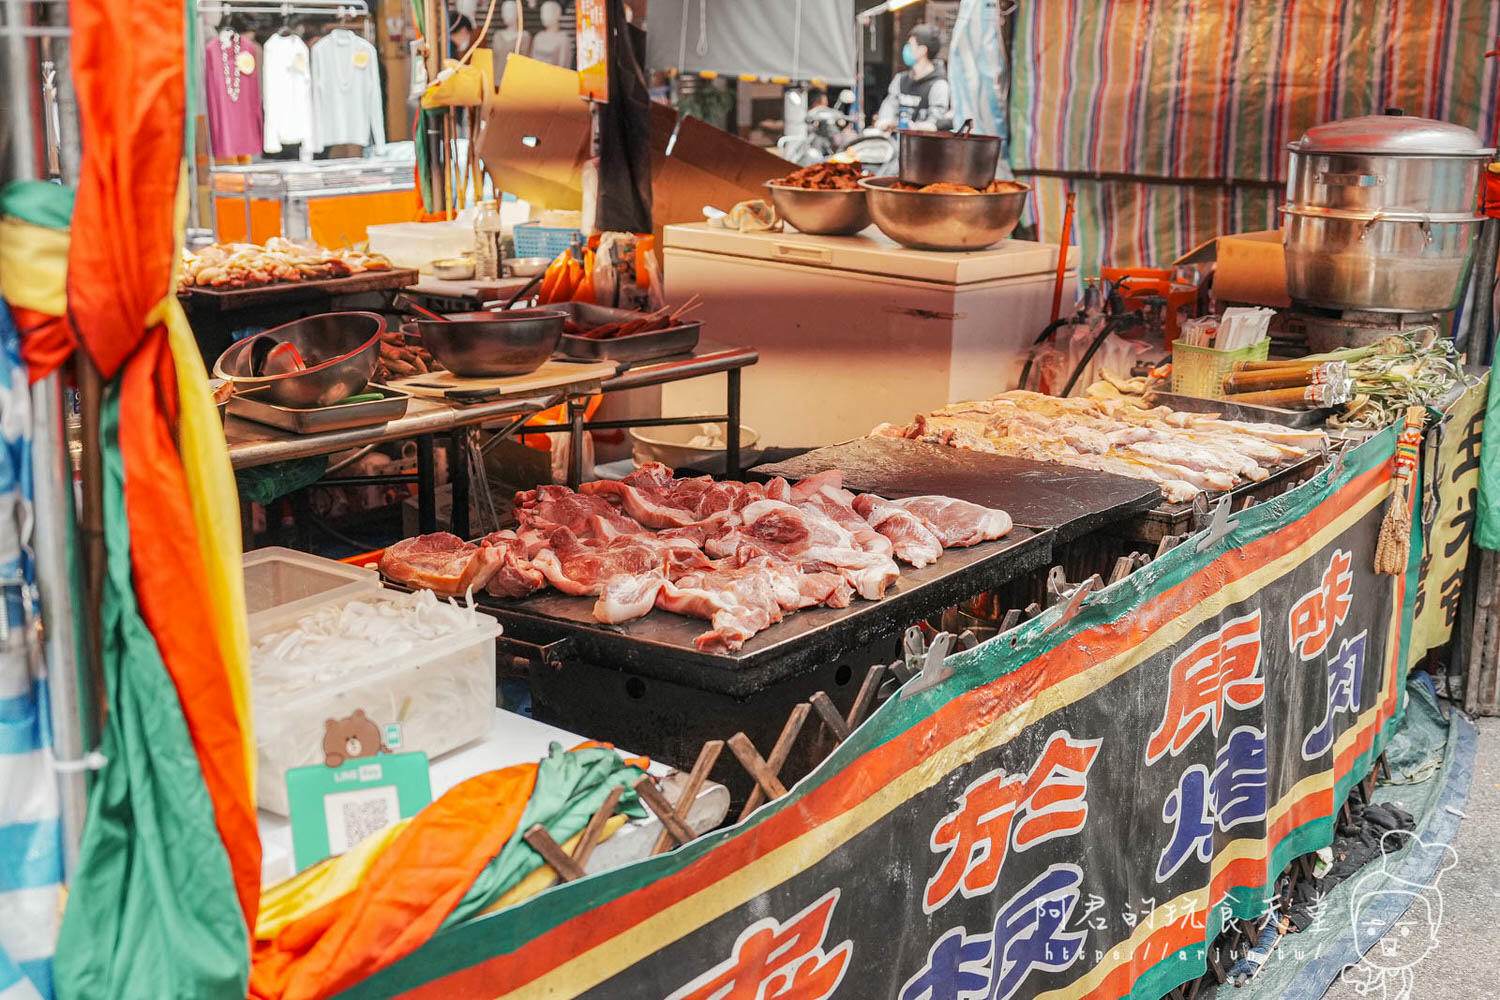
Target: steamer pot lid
column 1391, row 134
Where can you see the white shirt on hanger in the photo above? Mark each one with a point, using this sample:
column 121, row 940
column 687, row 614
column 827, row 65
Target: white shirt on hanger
column 347, row 107
column 286, row 91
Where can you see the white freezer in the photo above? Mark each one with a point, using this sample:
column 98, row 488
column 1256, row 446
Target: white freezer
column 856, row 330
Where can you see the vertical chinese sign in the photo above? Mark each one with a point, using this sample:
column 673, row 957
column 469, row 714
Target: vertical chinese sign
column 593, row 50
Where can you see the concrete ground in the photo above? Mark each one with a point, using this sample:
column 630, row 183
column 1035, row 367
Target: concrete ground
column 1466, row 963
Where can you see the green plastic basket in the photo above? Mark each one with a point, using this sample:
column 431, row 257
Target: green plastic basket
column 1200, row 371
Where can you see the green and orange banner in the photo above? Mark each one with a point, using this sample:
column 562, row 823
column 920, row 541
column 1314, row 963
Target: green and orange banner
column 1074, row 813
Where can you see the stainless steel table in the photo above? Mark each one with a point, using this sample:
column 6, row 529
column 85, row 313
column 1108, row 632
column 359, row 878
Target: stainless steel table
column 252, row 444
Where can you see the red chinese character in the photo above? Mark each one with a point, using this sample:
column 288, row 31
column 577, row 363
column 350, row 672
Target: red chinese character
column 1049, row 801
column 1055, row 803
column 775, row 961
column 1323, row 609
column 1221, row 668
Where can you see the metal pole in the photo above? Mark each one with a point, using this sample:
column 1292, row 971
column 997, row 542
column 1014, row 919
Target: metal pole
column 19, row 87
column 75, row 716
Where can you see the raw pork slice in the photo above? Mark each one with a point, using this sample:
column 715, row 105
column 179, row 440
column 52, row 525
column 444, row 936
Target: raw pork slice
column 578, row 566
column 911, row 539
column 815, row 543
column 738, row 603
column 956, row 523
column 440, row 562
column 516, row 576
column 549, row 507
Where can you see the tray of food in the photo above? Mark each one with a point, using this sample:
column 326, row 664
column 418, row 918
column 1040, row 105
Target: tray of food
column 598, row 333
column 378, row 404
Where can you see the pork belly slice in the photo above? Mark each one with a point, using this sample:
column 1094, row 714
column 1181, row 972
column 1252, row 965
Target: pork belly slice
column 516, row 576
column 583, row 566
column 549, row 507
column 814, row 542
column 738, row 603
column 440, row 562
column 955, row 523
column 912, row 541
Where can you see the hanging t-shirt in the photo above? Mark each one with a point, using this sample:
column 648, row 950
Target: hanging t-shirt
column 286, row 86
column 231, row 76
column 347, row 107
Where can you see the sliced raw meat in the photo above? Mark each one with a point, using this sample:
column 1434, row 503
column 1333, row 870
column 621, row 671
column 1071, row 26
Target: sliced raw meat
column 956, row 523
column 825, row 493
column 549, row 507
column 649, row 507
column 738, row 603
column 912, row 540
column 625, row 598
column 516, row 576
column 578, row 566
column 440, row 562
column 815, row 543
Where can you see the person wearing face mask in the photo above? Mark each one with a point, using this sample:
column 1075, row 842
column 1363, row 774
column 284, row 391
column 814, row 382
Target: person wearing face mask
column 919, row 96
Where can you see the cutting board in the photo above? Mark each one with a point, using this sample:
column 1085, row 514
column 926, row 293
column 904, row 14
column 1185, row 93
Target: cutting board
column 551, row 375
column 1070, row 501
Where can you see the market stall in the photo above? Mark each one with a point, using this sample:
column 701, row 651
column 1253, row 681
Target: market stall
column 890, row 676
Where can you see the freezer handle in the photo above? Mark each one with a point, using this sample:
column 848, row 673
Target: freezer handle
column 815, row 255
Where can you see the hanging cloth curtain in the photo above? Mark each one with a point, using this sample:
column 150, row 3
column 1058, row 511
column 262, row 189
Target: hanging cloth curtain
column 169, row 868
column 978, row 70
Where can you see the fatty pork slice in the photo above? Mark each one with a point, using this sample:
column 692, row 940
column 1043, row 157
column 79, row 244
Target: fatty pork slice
column 910, row 537
column 549, row 507
column 825, row 493
column 583, row 566
column 955, row 523
column 516, row 576
column 738, row 603
column 815, row 543
column 440, row 562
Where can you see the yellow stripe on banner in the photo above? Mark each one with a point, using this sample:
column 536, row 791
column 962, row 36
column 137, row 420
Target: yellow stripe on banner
column 545, row 876
column 34, row 267
column 215, row 499
column 296, row 897
column 609, row 958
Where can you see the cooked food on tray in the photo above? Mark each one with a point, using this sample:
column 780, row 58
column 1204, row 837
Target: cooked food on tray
column 825, row 177
column 1184, row 453
column 740, row 555
column 245, row 265
column 662, row 319
column 995, row 186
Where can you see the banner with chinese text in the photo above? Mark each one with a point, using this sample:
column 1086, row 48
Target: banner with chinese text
column 1450, row 493
column 1075, row 812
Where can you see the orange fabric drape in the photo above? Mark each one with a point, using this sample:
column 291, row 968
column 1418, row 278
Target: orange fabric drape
column 46, row 341
column 125, row 226
column 409, row 891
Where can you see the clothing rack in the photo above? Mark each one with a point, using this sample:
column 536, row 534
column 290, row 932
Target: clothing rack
column 318, row 8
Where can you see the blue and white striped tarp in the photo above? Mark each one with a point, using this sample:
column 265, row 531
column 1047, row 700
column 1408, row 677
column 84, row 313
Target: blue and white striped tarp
column 30, row 829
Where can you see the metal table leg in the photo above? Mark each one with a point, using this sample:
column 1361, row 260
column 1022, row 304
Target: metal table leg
column 732, row 425
column 426, row 485
column 458, row 475
column 576, row 407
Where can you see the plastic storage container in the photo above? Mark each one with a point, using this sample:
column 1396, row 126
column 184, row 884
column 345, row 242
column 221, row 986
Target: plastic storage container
column 536, row 240
column 418, row 244
column 282, row 585
column 440, row 691
column 1200, row 371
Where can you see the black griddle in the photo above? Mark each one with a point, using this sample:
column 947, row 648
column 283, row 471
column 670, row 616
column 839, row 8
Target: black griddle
column 1040, row 495
column 660, row 645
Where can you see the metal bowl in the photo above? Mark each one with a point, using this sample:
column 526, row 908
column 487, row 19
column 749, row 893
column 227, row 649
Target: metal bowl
column 943, row 221
column 489, row 344
column 936, row 157
column 525, row 267
column 339, row 351
column 824, row 213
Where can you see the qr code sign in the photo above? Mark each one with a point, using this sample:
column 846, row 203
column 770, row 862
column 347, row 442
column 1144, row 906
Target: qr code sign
column 354, row 815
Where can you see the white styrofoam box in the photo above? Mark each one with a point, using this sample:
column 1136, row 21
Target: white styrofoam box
column 441, row 691
column 281, row 585
column 418, row 244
